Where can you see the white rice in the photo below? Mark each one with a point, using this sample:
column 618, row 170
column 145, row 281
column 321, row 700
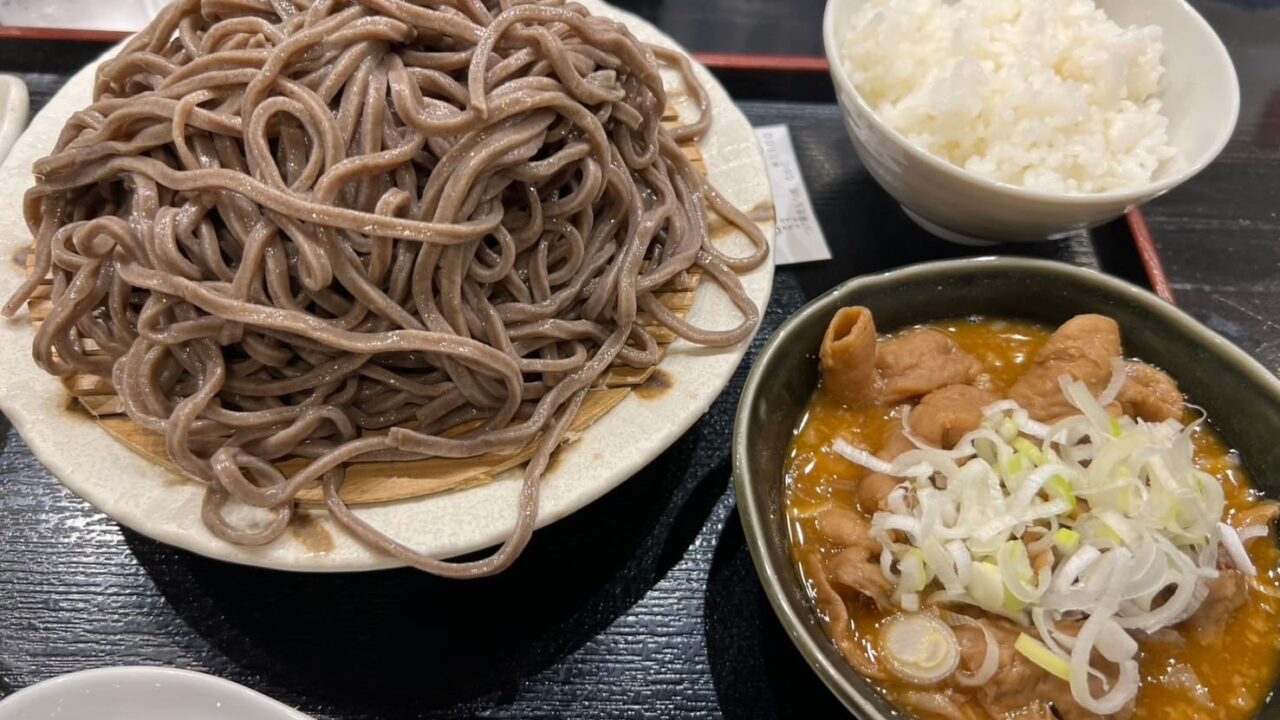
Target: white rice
column 1046, row 94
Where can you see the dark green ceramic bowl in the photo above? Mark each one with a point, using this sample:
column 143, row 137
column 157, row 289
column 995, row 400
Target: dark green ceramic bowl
column 1241, row 396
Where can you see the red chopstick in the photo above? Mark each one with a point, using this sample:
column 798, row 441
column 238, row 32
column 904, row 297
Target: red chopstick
column 1150, row 255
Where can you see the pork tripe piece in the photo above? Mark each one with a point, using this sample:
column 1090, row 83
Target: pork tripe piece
column 941, row 419
column 917, row 362
column 940, row 703
column 1081, row 349
column 857, row 565
column 874, row 488
column 846, row 527
column 1150, row 394
column 848, row 356
column 831, row 606
column 1020, row 687
column 1227, row 593
column 858, row 370
column 948, row 414
column 859, row 570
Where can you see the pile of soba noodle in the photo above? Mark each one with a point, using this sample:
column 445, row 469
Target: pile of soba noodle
column 335, row 229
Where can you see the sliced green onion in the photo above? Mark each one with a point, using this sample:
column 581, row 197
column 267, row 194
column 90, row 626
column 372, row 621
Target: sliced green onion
column 1032, row 452
column 985, row 586
column 1066, row 540
column 1008, row 430
column 1036, row 652
column 1058, row 488
column 913, row 576
column 1122, row 502
column 1016, row 573
column 1235, row 550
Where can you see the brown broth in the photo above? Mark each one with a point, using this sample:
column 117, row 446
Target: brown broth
column 1238, row 668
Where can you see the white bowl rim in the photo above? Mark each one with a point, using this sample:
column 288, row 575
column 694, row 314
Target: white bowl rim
column 1128, row 197
column 59, row 686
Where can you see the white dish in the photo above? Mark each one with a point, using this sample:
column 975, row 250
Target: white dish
column 1201, row 98
column 161, row 505
column 141, row 693
column 127, row 15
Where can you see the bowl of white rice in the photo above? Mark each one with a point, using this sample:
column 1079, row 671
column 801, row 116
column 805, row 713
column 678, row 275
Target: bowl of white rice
column 1026, row 120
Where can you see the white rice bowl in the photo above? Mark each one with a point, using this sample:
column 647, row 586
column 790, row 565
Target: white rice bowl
column 1049, row 95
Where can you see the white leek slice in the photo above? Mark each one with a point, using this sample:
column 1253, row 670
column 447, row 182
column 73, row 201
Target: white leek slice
column 1113, row 388
column 1115, row 644
column 1235, row 550
column 919, row 648
column 912, row 573
column 1125, row 687
column 1017, row 575
column 1000, row 407
column 1252, row 532
column 986, row 586
column 861, row 457
column 1078, row 393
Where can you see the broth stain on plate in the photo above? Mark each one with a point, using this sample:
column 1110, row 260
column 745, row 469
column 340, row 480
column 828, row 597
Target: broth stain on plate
column 311, row 533
column 658, row 384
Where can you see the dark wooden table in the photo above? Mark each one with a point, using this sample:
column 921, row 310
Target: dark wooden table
column 645, row 603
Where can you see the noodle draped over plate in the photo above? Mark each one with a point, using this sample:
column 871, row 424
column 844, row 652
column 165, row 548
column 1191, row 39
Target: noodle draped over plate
column 370, row 230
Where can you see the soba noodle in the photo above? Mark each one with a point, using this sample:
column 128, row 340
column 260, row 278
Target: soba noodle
column 336, row 229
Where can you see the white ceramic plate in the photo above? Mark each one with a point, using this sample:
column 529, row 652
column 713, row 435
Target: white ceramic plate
column 141, row 693
column 161, row 505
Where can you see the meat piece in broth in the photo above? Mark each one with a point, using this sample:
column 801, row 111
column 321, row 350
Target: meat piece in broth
column 941, row 419
column 938, row 703
column 847, row 528
column 848, row 356
column 948, row 414
column 1150, row 394
column 857, row 370
column 874, row 489
column 1227, row 593
column 1020, row 688
column 918, row 362
column 1082, row 349
column 832, row 607
column 857, row 565
column 859, row 570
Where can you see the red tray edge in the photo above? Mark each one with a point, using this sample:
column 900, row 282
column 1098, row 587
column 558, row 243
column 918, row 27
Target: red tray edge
column 720, row 61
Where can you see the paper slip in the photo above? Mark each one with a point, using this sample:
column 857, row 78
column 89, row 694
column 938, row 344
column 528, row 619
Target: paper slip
column 800, row 237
